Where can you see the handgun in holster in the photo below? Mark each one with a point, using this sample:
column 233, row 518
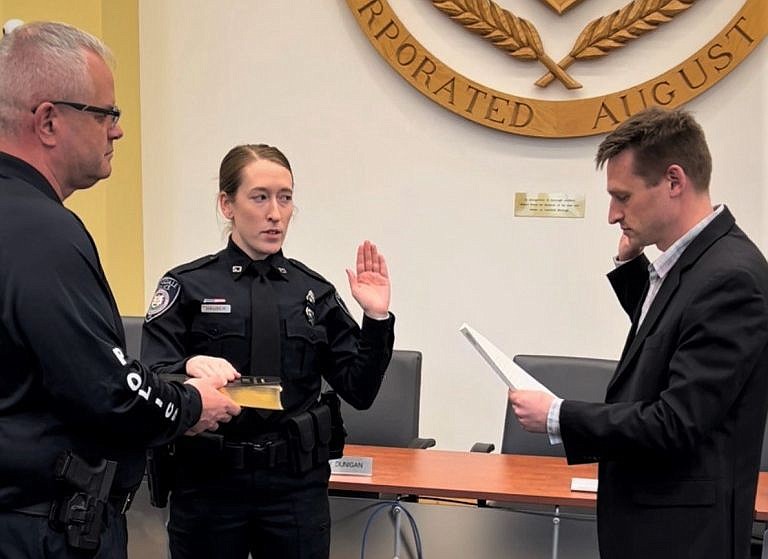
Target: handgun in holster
column 80, row 514
column 161, row 466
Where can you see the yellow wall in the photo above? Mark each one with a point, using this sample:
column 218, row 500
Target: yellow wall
column 112, row 210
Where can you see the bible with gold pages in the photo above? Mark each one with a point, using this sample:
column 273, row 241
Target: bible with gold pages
column 248, row 392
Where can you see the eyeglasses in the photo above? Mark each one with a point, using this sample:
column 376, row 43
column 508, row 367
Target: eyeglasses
column 112, row 112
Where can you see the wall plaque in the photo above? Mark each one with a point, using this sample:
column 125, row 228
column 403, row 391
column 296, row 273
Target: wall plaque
column 548, row 204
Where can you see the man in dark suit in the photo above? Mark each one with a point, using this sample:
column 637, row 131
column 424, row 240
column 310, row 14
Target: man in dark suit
column 678, row 440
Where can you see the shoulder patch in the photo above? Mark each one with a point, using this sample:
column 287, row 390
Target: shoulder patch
column 343, row 306
column 165, row 296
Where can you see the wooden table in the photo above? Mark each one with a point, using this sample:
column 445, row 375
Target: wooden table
column 540, row 480
column 444, row 473
column 501, row 477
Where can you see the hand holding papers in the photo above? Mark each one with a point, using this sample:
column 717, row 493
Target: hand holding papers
column 509, row 371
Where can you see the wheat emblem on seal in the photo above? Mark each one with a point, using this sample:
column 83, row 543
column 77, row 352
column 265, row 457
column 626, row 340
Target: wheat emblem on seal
column 519, row 38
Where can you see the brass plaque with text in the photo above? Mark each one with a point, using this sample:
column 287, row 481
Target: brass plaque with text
column 548, row 204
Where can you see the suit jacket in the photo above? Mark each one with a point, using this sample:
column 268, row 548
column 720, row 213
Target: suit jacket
column 678, row 440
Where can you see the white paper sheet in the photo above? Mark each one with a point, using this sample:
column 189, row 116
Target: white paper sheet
column 509, row 371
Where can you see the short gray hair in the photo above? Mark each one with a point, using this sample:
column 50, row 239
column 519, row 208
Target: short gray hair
column 43, row 61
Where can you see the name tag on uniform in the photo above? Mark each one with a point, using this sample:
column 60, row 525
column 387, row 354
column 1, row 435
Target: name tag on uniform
column 352, row 466
column 215, row 308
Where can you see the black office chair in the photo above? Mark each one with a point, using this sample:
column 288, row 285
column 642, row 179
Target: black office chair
column 393, row 419
column 132, row 326
column 573, row 378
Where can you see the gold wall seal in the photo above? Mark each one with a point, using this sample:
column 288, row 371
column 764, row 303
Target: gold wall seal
column 563, row 118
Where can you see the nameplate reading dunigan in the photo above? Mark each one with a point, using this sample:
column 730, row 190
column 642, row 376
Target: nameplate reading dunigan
column 352, row 466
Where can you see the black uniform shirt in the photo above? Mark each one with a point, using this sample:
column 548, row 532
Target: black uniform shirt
column 65, row 381
column 204, row 308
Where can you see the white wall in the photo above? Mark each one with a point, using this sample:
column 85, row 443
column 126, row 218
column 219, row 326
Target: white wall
column 375, row 159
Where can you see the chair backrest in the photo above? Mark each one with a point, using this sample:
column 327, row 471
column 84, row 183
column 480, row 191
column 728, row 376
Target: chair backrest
column 393, row 419
column 132, row 326
column 574, row 378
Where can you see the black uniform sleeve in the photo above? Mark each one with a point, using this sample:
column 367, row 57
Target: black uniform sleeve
column 64, row 311
column 357, row 358
column 164, row 337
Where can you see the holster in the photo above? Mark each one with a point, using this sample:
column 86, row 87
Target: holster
column 321, row 417
column 85, row 489
column 338, row 432
column 161, row 467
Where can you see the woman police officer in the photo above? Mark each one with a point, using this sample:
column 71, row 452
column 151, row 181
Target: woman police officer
column 257, row 485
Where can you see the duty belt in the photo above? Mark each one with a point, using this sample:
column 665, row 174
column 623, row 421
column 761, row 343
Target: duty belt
column 120, row 502
column 264, row 453
column 299, row 444
column 253, row 456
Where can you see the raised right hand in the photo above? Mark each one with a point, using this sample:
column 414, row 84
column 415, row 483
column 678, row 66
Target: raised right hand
column 217, row 408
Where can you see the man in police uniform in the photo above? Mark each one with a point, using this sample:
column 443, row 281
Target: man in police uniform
column 76, row 412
